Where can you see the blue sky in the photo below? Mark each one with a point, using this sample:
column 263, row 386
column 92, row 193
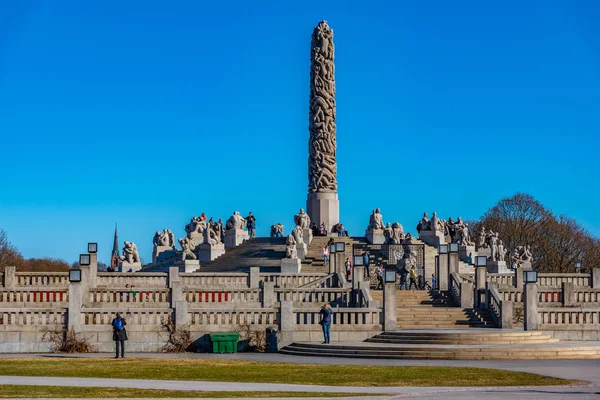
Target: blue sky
column 144, row 113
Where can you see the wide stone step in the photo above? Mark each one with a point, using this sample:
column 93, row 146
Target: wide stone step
column 461, row 342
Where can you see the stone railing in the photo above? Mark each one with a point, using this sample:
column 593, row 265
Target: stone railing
column 30, row 296
column 587, row 296
column 500, row 310
column 17, row 318
column 138, row 297
column 211, row 298
column 327, row 281
column 338, row 297
column 469, row 278
column 133, row 316
column 556, row 280
column 503, row 280
column 455, row 281
column 544, row 295
column 214, row 280
column 214, row 319
column 138, row 279
column 569, row 318
column 291, row 280
column 355, row 318
column 54, row 279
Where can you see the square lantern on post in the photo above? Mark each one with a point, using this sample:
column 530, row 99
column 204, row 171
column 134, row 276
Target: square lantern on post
column 453, row 247
column 443, row 249
column 92, row 248
column 530, row 276
column 481, row 261
column 358, row 260
column 390, row 276
column 340, row 247
column 332, row 248
column 84, row 259
column 75, row 275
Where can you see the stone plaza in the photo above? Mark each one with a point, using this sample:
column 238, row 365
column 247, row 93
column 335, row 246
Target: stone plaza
column 487, row 303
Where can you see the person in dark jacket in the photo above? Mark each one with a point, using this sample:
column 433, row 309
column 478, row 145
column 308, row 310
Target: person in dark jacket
column 325, row 322
column 119, row 334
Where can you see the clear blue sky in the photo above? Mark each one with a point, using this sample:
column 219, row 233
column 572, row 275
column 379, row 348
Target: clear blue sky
column 145, row 113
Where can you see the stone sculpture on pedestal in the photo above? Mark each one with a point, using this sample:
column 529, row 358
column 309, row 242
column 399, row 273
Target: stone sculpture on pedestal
column 522, row 254
column 276, row 230
column 187, row 249
column 481, row 239
column 164, row 247
column 302, row 221
column 291, row 264
column 161, row 238
column 301, row 247
column 130, row 260
column 388, row 233
column 322, row 203
column 375, row 230
column 398, row 233
column 433, row 232
column 234, row 231
column 196, row 228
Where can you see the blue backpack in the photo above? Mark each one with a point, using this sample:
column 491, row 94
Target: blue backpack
column 118, row 324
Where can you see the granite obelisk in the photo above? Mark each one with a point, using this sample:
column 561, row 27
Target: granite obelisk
column 322, row 204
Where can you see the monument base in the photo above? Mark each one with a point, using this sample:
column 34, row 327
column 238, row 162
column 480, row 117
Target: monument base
column 235, row 237
column 485, row 251
column 375, row 236
column 526, row 265
column 323, row 207
column 161, row 253
column 188, row 266
column 291, row 266
column 307, row 236
column 467, row 254
column 125, row 266
column 302, row 249
column 497, row 267
column 432, row 238
column 198, row 237
column 208, row 252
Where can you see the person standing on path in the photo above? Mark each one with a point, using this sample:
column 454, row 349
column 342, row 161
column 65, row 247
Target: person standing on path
column 325, row 322
column 413, row 278
column 251, row 221
column 119, row 334
column 365, row 257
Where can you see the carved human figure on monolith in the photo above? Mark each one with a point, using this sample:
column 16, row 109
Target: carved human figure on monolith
column 302, row 219
column 290, row 247
column 130, row 253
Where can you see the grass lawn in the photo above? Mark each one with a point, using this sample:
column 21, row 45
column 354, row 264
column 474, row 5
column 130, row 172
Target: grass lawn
column 16, row 391
column 248, row 371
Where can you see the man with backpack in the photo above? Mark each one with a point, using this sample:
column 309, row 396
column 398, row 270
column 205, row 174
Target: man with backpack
column 119, row 334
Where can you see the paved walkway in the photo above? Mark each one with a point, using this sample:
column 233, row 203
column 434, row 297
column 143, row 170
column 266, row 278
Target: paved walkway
column 586, row 370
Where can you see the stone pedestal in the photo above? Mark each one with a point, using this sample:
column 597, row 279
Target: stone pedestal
column 307, row 236
column 375, row 236
column 198, row 237
column 302, row 249
column 530, row 307
column 188, row 266
column 291, row 266
column 235, row 237
column 208, row 252
column 526, row 265
column 161, row 253
column 389, row 307
column 443, row 272
column 125, row 266
column 432, row 238
column 323, row 207
column 467, row 254
column 497, row 267
column 485, row 252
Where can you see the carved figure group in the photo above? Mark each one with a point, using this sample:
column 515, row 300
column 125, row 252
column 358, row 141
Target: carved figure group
column 394, row 234
column 164, row 238
column 276, row 230
column 522, row 254
column 187, row 248
column 197, row 224
column 302, row 219
column 213, row 233
column 461, row 233
column 130, row 253
column 236, row 221
column 322, row 167
column 290, row 247
column 375, row 220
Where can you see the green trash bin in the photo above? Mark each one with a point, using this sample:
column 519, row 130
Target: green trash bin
column 225, row 342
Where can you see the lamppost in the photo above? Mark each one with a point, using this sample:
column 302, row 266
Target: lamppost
column 530, row 300
column 442, row 271
column 332, row 260
column 480, row 281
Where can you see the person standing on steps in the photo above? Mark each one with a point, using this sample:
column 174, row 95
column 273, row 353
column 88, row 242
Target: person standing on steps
column 251, row 221
column 119, row 334
column 379, row 273
column 348, row 265
column 325, row 253
column 433, row 282
column 325, row 322
column 413, row 278
column 365, row 257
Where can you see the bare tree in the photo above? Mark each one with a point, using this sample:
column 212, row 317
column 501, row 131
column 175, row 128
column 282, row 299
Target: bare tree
column 9, row 255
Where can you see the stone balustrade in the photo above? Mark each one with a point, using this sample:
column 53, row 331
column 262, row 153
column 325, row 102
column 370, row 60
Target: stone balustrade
column 141, row 297
column 215, row 280
column 587, row 296
column 20, row 318
column 292, row 280
column 213, row 320
column 500, row 310
column 42, row 279
column 556, row 280
column 32, row 296
column 138, row 279
column 544, row 295
column 554, row 318
column 211, row 298
column 133, row 316
column 338, row 297
column 357, row 318
column 503, row 280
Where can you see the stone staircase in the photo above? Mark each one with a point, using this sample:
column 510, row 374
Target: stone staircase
column 431, row 252
column 475, row 344
column 419, row 309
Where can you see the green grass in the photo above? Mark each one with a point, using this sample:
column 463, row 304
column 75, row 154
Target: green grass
column 248, row 371
column 65, row 392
